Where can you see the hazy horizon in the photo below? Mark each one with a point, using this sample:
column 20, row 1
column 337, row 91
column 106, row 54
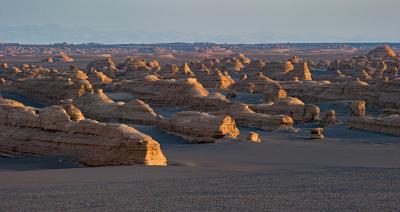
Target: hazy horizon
column 223, row 21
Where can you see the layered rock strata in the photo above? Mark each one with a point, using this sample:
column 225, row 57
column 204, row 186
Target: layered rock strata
column 198, row 127
column 50, row 131
column 289, row 106
column 244, row 116
column 98, row 106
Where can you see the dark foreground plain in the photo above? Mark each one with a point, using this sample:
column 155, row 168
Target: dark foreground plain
column 284, row 173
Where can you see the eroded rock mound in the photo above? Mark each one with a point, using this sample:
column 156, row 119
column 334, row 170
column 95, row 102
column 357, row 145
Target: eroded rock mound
column 329, row 118
column 382, row 51
column 164, row 92
column 134, row 68
column 253, row 137
column 386, row 123
column 201, row 127
column 106, row 66
column 62, row 57
column 247, row 117
column 50, row 131
column 98, row 106
column 317, row 133
column 289, row 106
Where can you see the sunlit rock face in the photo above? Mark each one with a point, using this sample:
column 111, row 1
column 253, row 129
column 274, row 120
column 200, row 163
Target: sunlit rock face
column 244, row 116
column 164, row 92
column 382, row 51
column 99, row 106
column 288, row 70
column 62, row 57
column 105, row 66
column 198, row 127
column 51, row 131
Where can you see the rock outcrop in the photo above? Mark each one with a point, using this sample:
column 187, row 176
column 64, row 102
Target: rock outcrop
column 51, row 89
column 98, row 78
column 385, row 124
column 50, row 131
column 329, row 118
column 289, row 106
column 98, row 106
column 317, row 133
column 164, row 92
column 253, row 137
column 105, row 66
column 136, row 69
column 244, row 116
column 62, row 57
column 357, row 108
column 382, row 51
column 198, row 127
column 213, row 78
column 48, row 59
column 287, row 70
column 256, row 83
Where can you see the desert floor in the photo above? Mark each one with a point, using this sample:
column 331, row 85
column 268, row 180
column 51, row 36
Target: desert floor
column 349, row 170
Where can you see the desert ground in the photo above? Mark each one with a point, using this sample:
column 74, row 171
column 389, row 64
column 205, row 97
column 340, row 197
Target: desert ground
column 55, row 158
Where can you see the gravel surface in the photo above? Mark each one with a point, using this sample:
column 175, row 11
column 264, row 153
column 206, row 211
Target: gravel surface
column 331, row 189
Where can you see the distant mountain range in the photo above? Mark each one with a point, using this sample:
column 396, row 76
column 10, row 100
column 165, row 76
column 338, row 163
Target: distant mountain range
column 45, row 34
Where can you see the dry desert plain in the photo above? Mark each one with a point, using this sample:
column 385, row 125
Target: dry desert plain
column 178, row 128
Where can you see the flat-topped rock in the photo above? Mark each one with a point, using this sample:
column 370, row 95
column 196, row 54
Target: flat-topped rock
column 98, row 106
column 166, row 92
column 289, row 106
column 244, row 116
column 50, row 131
column 385, row 124
column 198, row 127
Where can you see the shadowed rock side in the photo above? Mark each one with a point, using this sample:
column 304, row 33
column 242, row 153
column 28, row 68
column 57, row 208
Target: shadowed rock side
column 165, row 92
column 381, row 94
column 289, row 106
column 382, row 51
column 62, row 57
column 198, row 127
column 52, row 86
column 387, row 124
column 50, row 131
column 287, row 70
column 255, row 83
column 212, row 77
column 105, row 66
column 98, row 106
column 244, row 116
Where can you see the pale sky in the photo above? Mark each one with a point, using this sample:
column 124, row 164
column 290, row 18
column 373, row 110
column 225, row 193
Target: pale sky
column 367, row 20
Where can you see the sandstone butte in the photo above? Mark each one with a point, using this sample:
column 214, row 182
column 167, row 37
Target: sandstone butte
column 198, row 127
column 246, row 117
column 382, row 51
column 387, row 124
column 289, row 106
column 164, row 92
column 50, row 131
column 98, row 106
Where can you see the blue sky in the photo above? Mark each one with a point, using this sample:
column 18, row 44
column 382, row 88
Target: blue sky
column 241, row 20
